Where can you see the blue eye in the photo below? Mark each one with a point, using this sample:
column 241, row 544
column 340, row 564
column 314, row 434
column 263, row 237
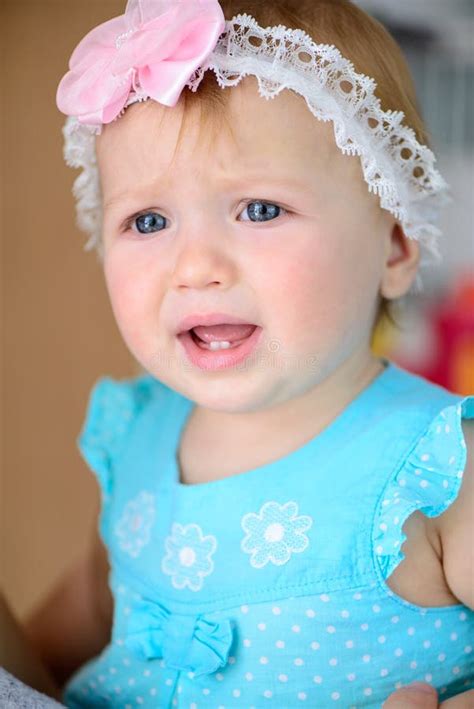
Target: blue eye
column 260, row 211
column 148, row 222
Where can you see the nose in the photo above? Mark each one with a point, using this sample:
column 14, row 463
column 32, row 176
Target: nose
column 203, row 259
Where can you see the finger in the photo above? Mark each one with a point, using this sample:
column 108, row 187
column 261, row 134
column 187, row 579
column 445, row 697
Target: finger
column 414, row 696
column 460, row 701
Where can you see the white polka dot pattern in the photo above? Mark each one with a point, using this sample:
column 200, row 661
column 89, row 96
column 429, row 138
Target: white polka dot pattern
column 348, row 666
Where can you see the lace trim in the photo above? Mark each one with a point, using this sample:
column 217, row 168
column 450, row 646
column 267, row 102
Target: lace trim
column 395, row 165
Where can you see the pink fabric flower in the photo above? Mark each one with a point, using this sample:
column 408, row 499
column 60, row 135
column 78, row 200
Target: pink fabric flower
column 154, row 47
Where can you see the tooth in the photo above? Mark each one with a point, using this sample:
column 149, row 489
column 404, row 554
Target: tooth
column 219, row 345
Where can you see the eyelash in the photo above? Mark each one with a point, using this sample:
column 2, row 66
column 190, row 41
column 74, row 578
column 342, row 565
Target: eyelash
column 129, row 222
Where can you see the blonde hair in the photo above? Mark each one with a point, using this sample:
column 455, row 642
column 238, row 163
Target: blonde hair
column 358, row 36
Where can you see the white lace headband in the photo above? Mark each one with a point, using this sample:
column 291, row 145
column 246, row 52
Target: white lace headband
column 395, row 165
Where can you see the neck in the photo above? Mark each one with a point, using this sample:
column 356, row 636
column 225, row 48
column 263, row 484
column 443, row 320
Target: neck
column 236, row 442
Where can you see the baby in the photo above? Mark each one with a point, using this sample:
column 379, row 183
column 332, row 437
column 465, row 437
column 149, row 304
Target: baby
column 261, row 475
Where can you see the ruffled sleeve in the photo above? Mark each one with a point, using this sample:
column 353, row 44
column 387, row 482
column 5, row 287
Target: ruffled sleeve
column 112, row 408
column 429, row 480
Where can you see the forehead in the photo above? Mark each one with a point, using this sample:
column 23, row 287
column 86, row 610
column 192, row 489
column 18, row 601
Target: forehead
column 278, row 137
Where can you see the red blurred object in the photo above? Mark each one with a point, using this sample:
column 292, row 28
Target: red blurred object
column 452, row 321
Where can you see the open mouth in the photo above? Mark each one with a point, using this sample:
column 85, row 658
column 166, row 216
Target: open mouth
column 218, row 353
column 220, row 344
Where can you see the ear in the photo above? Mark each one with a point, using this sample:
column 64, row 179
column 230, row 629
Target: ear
column 402, row 257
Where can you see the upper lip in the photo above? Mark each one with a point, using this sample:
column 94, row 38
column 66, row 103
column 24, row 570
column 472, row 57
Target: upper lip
column 196, row 319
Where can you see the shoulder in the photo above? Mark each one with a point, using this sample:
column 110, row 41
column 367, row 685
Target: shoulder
column 109, row 395
column 432, row 473
column 113, row 407
column 456, row 528
column 417, row 410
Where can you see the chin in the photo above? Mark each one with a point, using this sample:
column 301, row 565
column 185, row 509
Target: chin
column 228, row 397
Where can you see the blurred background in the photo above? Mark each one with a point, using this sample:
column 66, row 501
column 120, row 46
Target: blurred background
column 436, row 334
column 58, row 332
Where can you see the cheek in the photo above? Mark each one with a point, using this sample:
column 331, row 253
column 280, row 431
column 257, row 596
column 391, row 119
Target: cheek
column 132, row 289
column 319, row 289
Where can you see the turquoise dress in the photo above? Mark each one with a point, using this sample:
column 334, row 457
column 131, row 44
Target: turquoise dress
column 268, row 588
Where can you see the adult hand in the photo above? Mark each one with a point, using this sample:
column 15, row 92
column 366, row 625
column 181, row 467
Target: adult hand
column 423, row 696
column 413, row 696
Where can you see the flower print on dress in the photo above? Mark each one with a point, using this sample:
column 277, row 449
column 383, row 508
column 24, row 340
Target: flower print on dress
column 275, row 533
column 134, row 526
column 189, row 556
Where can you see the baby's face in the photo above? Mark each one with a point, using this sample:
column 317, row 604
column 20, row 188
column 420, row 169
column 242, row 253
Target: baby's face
column 309, row 275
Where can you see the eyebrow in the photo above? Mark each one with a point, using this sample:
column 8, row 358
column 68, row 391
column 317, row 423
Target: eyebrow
column 301, row 185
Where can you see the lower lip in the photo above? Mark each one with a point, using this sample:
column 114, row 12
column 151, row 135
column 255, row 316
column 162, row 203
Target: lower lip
column 213, row 360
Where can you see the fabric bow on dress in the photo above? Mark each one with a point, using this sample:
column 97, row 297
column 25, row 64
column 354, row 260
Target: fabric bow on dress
column 185, row 642
column 155, row 46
